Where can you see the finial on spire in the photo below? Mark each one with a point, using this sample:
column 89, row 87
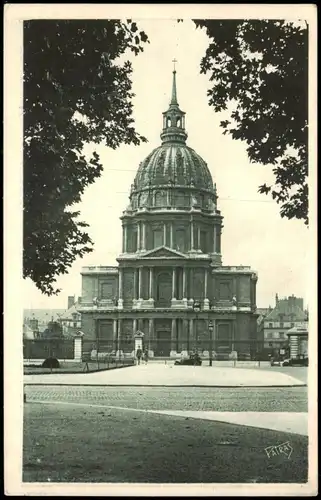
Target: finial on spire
column 174, row 92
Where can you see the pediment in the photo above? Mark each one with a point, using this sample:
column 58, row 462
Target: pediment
column 164, row 252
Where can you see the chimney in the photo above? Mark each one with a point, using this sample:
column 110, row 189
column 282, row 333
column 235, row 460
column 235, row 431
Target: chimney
column 276, row 299
column 79, row 300
column 71, row 301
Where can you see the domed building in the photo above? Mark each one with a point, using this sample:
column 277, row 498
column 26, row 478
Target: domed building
column 170, row 284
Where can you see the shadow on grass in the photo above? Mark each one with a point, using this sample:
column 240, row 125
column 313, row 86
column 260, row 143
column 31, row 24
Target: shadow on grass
column 88, row 444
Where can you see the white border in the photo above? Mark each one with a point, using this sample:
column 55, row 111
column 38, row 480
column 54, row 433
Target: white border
column 14, row 15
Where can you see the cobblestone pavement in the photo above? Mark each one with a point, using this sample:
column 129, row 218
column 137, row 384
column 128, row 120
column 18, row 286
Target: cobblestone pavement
column 287, row 399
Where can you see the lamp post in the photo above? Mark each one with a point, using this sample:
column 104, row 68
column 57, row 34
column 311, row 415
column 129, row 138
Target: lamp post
column 196, row 308
column 210, row 329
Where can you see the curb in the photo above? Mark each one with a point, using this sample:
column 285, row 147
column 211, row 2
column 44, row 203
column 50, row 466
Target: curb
column 168, row 386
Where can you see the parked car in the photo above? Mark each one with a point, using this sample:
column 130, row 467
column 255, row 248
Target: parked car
column 244, row 356
column 194, row 360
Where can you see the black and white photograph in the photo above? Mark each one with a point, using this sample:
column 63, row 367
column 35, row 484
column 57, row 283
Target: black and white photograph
column 160, row 262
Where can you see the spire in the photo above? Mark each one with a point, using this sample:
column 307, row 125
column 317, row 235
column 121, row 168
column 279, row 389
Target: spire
column 174, row 119
column 174, row 91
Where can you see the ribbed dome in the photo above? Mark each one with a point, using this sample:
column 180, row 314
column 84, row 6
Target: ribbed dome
column 175, row 164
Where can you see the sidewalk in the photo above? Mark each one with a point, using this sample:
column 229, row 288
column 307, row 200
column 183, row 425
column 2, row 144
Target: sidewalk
column 170, row 375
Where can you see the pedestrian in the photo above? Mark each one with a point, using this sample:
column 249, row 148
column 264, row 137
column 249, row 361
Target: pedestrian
column 139, row 353
column 146, row 356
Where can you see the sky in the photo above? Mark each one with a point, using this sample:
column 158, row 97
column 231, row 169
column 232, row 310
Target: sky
column 254, row 233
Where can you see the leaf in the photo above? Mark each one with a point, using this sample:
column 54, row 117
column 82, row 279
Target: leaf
column 258, row 70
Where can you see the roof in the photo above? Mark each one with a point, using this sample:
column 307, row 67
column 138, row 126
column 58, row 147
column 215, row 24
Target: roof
column 298, row 330
column 289, row 310
column 42, row 315
column 175, row 164
column 68, row 314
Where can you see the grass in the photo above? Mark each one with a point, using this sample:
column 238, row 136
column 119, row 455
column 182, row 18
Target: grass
column 70, row 367
column 87, row 444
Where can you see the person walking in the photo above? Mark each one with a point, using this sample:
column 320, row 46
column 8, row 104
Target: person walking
column 146, row 356
column 139, row 354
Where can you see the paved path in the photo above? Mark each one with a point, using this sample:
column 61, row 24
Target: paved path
column 282, row 409
column 169, row 375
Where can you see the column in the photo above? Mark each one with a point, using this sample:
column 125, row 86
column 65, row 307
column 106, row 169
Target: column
column 135, row 285
column 151, row 272
column 151, row 337
column 198, row 237
column 192, row 344
column 134, row 325
column 174, row 284
column 144, row 237
column 140, row 282
column 125, row 239
column 206, row 301
column 214, row 239
column 173, row 338
column 185, row 338
column 192, row 236
column 115, row 347
column 171, row 236
column 164, row 236
column 138, row 236
column 184, row 284
column 120, row 288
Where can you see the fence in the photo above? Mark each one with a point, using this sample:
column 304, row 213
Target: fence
column 103, row 351
column 167, row 348
column 73, row 355
column 48, row 348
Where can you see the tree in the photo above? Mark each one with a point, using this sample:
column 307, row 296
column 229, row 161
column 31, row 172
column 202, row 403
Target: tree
column 53, row 331
column 76, row 91
column 259, row 74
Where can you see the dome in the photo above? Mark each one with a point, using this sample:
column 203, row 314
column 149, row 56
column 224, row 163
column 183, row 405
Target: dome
column 173, row 164
column 173, row 176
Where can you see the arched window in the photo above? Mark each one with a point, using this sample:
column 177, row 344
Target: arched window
column 169, row 122
column 139, row 200
column 178, row 122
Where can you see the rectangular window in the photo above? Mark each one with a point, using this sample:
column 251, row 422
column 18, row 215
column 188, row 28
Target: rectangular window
column 292, row 325
column 281, row 325
column 269, row 335
column 282, row 335
column 270, row 325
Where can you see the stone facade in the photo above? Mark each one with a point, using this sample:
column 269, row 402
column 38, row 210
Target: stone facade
column 171, row 262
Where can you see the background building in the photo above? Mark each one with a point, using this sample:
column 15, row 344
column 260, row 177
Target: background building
column 170, row 281
column 70, row 319
column 288, row 313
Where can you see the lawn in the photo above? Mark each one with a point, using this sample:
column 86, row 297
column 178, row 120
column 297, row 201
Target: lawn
column 71, row 367
column 87, row 444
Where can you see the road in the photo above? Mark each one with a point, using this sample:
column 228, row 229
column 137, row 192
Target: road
column 287, row 399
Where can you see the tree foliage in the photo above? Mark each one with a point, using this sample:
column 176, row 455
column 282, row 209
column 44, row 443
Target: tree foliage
column 76, row 91
column 259, row 74
column 53, row 330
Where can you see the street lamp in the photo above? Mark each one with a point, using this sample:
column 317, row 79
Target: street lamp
column 210, row 329
column 196, row 309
